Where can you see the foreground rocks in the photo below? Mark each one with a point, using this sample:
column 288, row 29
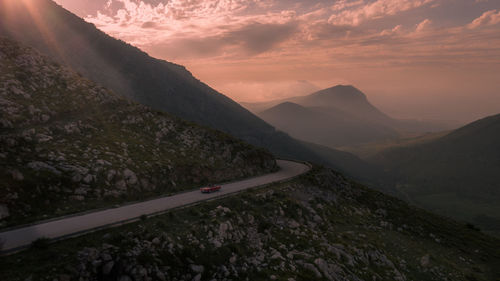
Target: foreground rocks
column 318, row 227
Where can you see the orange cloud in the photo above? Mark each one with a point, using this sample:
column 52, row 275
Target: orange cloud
column 374, row 10
column 487, row 18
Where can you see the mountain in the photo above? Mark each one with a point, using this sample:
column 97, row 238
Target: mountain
column 130, row 72
column 457, row 174
column 121, row 67
column 340, row 116
column 69, row 145
column 327, row 126
column 341, row 97
column 319, row 226
column 345, row 98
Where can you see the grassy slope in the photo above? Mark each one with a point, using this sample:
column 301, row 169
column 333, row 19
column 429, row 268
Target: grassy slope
column 366, row 151
column 68, row 145
column 317, row 226
column 456, row 174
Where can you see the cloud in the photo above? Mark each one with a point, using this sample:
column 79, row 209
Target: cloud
column 368, row 33
column 487, row 18
column 375, row 10
column 248, row 40
column 395, row 30
column 257, row 38
column 258, row 91
column 149, row 24
column 423, row 25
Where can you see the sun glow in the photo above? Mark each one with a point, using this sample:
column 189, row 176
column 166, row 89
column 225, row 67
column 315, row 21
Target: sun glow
column 33, row 11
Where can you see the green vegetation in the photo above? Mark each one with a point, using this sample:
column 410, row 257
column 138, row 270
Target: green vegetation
column 366, row 151
column 456, row 175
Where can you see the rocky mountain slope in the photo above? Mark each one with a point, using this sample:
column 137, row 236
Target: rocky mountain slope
column 67, row 144
column 130, row 72
column 317, row 227
column 457, row 174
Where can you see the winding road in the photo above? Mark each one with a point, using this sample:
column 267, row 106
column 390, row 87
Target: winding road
column 19, row 238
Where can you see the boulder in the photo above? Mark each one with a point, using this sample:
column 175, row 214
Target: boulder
column 130, row 177
column 312, row 268
column 106, row 269
column 4, row 211
column 424, row 261
column 16, row 175
column 197, row 268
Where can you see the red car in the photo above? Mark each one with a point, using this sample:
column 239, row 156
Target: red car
column 210, row 188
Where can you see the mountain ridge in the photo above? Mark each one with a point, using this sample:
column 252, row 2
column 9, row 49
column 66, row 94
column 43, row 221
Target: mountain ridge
column 68, row 145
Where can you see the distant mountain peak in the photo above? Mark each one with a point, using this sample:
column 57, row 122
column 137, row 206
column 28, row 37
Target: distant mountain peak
column 341, row 92
column 288, row 104
column 287, row 108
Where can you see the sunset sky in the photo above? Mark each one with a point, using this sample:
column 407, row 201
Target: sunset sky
column 413, row 58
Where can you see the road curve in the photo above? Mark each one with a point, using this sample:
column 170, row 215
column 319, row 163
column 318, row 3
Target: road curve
column 20, row 238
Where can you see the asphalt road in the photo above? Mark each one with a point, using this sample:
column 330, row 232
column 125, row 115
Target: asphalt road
column 19, row 238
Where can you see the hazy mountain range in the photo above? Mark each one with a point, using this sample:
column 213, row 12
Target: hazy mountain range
column 337, row 116
column 456, row 173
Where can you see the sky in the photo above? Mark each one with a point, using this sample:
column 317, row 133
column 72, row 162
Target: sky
column 424, row 59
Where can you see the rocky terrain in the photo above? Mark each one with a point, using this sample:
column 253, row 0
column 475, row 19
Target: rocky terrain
column 68, row 145
column 317, row 227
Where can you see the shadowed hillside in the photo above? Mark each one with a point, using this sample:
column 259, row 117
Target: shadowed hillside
column 458, row 174
column 67, row 144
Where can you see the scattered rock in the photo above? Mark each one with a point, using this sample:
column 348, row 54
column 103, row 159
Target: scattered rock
column 4, row 211
column 16, row 175
column 106, row 269
column 312, row 268
column 125, row 278
column 130, row 177
column 425, row 260
column 197, row 268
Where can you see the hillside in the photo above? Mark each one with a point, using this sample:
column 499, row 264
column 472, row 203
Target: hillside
column 132, row 73
column 457, row 174
column 325, row 125
column 122, row 68
column 317, row 227
column 68, row 145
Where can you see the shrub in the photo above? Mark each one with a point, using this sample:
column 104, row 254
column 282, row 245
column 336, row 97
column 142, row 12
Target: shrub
column 40, row 243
